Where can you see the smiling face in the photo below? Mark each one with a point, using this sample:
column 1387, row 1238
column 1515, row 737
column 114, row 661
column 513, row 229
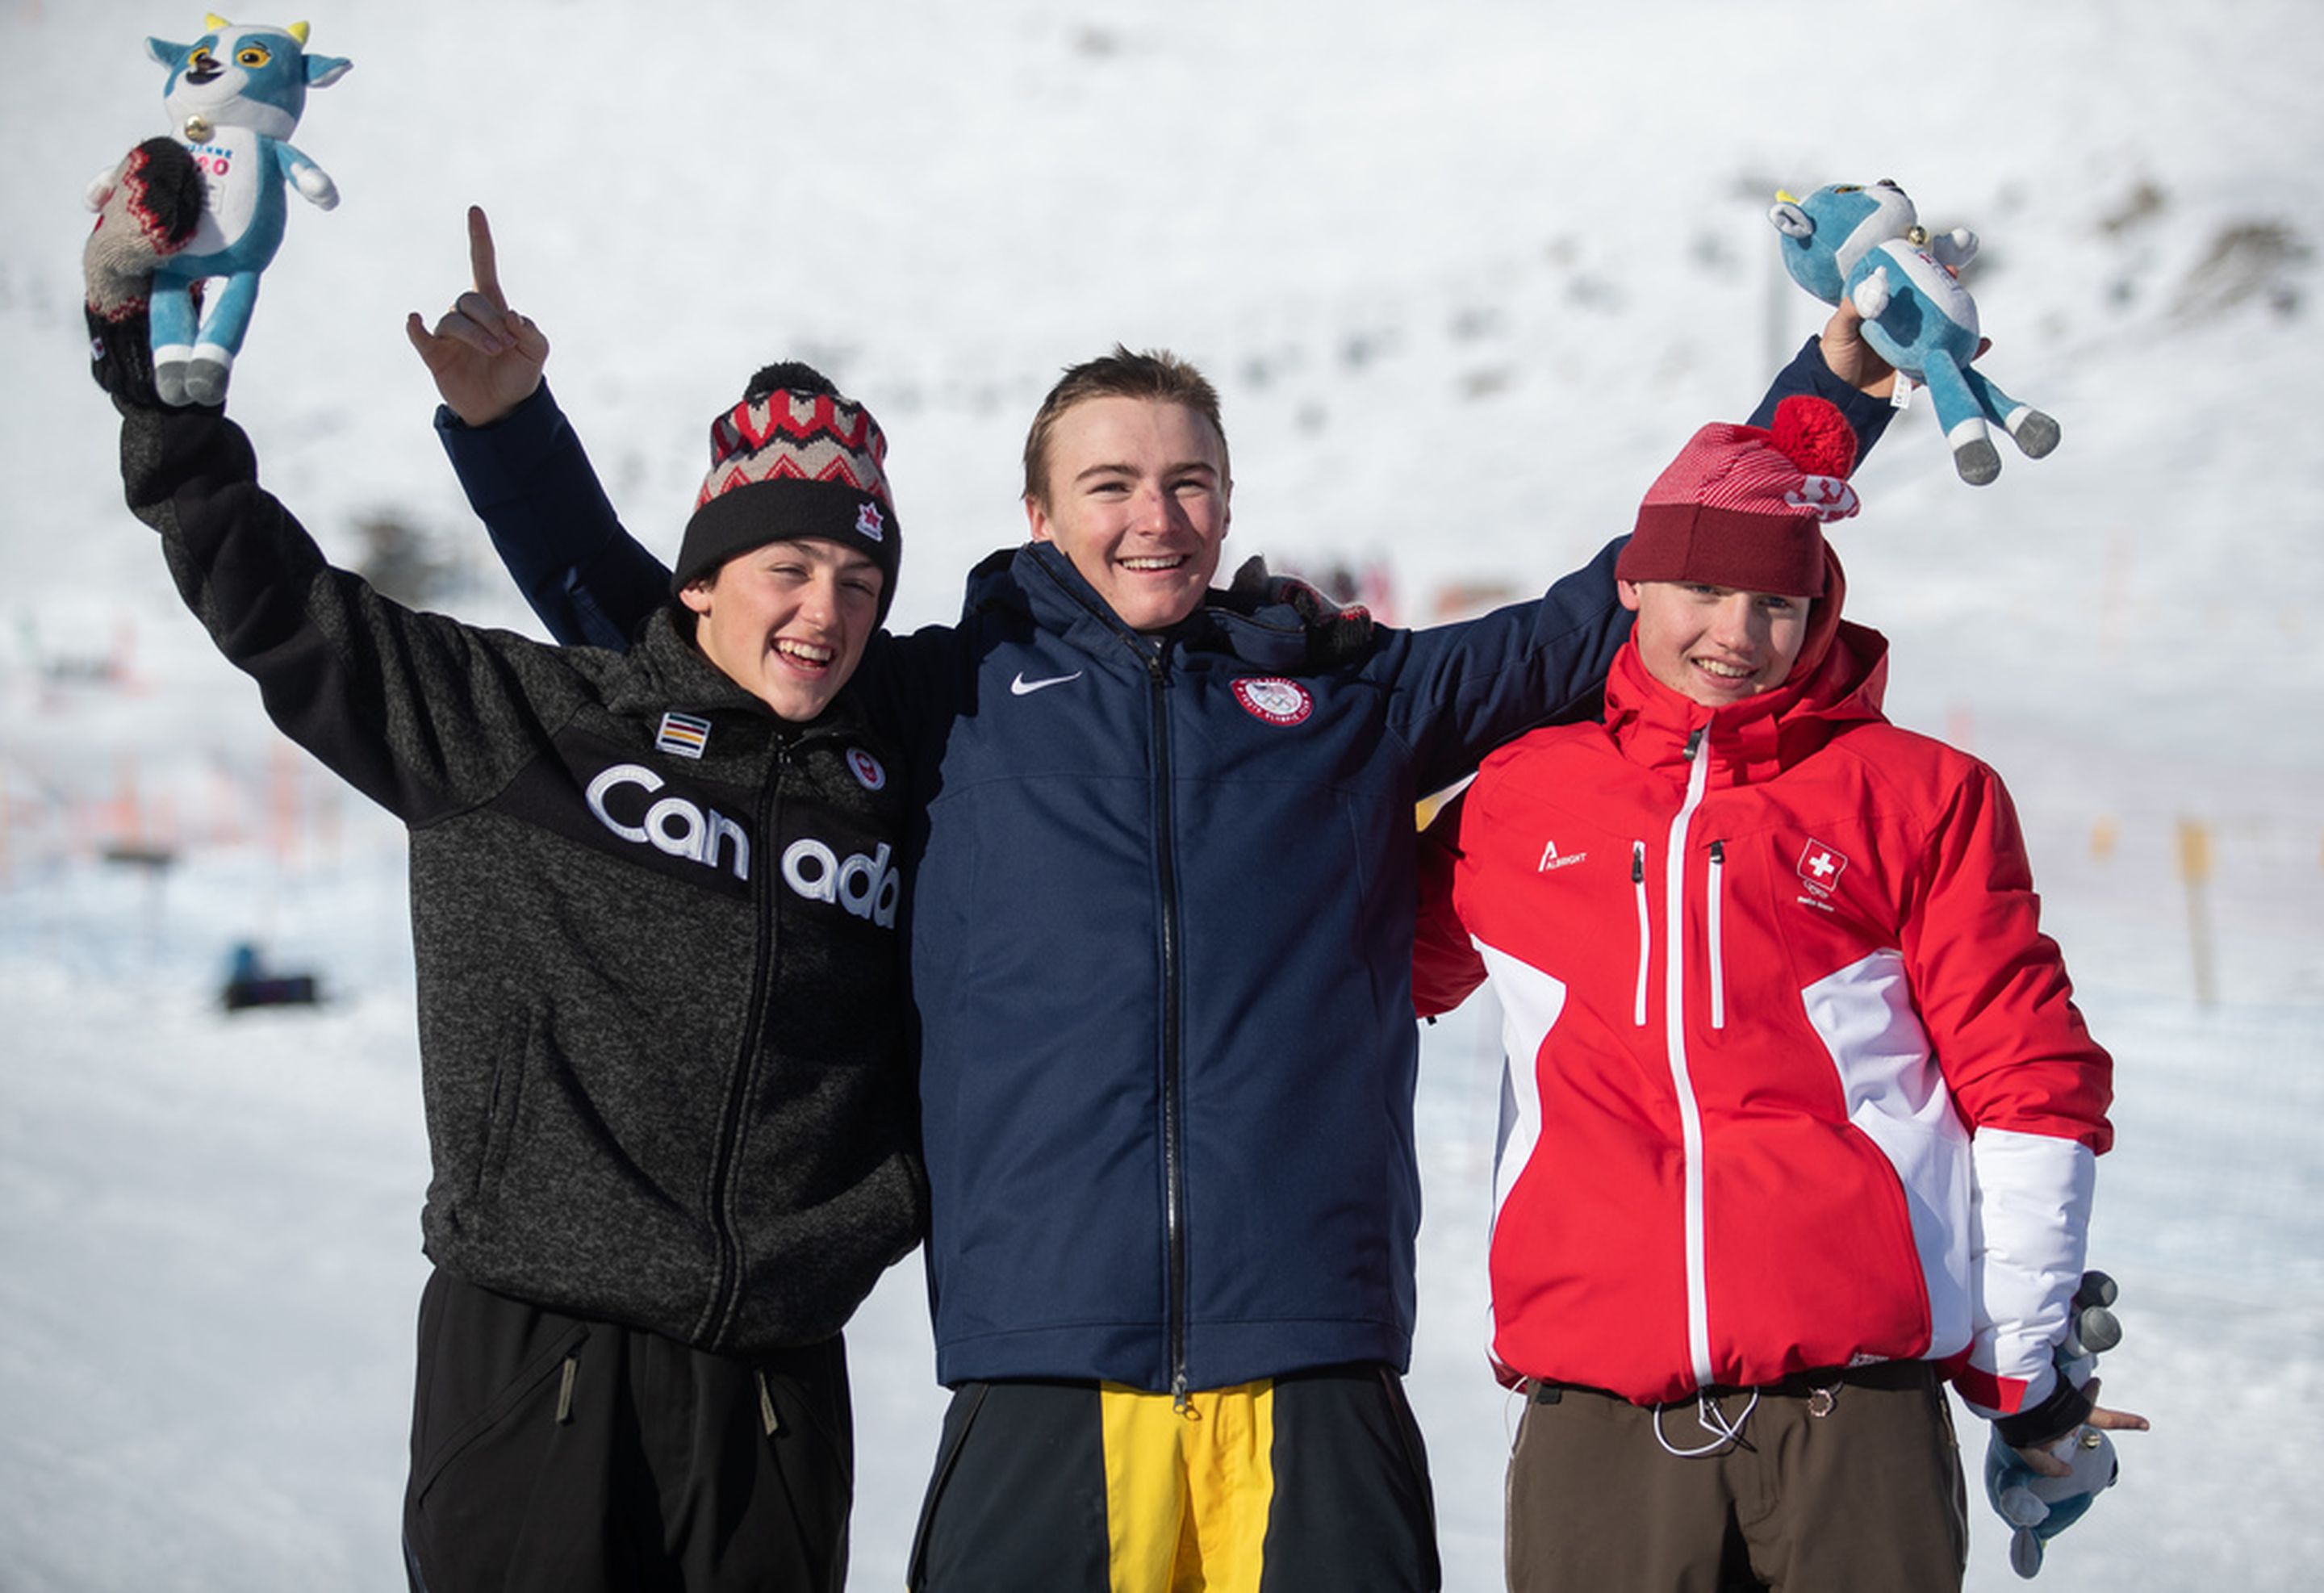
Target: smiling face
column 787, row 622
column 1136, row 497
column 1715, row 645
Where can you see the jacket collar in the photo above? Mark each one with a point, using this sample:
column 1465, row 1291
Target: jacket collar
column 674, row 674
column 1265, row 621
column 1755, row 740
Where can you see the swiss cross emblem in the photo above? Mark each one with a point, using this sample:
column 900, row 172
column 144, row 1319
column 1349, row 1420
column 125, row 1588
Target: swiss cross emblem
column 868, row 524
column 1821, row 867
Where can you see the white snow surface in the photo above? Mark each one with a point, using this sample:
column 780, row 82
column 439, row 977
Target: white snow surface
column 1454, row 341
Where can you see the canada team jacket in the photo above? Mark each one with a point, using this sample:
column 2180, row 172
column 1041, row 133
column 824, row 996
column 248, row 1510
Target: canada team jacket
column 658, row 941
column 1795, row 1081
column 1162, row 931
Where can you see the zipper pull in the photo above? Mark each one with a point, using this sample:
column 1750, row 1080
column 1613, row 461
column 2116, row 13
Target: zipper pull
column 1694, row 742
column 772, row 1423
column 1718, row 851
column 565, row 1391
column 1637, row 862
column 1178, row 1400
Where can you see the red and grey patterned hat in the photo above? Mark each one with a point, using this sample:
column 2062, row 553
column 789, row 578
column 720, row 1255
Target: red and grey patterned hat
column 1745, row 508
column 793, row 459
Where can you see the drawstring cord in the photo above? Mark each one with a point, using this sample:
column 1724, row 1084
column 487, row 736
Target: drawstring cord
column 1712, row 1420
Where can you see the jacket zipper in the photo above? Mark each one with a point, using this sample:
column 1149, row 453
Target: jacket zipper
column 1718, row 941
column 1174, row 1068
column 1153, row 655
column 1690, row 1115
column 717, row 1321
column 1646, row 928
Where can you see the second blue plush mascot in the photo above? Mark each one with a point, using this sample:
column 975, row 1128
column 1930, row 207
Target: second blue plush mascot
column 1869, row 244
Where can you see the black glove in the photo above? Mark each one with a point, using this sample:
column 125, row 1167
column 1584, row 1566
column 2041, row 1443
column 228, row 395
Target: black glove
column 2067, row 1408
column 150, row 213
column 1337, row 633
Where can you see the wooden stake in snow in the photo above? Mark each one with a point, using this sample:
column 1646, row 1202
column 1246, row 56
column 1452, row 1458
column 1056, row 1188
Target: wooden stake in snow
column 2195, row 873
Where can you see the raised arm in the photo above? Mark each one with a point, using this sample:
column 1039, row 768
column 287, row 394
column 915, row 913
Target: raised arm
column 524, row 469
column 422, row 715
column 486, row 358
column 1462, row 690
column 1839, row 365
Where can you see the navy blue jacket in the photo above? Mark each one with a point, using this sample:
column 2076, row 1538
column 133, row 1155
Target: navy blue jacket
column 1162, row 929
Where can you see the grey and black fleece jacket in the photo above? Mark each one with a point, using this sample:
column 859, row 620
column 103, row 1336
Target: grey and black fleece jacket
column 662, row 1026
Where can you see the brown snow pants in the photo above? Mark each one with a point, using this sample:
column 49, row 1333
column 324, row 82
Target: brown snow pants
column 1834, row 1482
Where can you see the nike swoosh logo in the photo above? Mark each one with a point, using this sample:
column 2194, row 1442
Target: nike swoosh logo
column 1022, row 687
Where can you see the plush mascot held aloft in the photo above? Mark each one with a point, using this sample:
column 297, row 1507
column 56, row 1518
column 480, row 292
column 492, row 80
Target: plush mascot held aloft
column 233, row 97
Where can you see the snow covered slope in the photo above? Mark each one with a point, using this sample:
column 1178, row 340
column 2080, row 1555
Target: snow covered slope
column 1467, row 274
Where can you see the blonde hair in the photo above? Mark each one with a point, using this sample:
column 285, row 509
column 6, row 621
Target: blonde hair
column 1155, row 375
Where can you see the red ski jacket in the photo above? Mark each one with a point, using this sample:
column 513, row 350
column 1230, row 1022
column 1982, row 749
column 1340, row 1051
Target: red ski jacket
column 1796, row 1079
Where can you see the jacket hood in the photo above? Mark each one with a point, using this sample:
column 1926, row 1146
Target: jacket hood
column 1839, row 680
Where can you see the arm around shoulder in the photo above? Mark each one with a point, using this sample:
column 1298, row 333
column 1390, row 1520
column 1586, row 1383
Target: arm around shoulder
column 1446, row 968
column 1463, row 689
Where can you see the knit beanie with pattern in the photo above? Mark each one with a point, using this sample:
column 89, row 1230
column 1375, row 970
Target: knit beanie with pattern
column 793, row 459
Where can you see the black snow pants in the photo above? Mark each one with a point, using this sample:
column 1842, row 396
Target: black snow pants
column 549, row 1452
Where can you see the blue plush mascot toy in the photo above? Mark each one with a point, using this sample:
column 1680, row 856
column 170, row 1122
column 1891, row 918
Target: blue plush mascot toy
column 1867, row 244
column 234, row 97
column 2038, row 1507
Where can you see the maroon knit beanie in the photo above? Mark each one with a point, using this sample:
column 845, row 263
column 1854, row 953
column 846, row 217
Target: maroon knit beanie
column 1745, row 508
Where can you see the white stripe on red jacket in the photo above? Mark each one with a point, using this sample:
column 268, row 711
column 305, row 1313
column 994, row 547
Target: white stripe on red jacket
column 1807, row 1087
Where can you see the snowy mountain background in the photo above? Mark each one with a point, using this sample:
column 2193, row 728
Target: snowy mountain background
column 1467, row 275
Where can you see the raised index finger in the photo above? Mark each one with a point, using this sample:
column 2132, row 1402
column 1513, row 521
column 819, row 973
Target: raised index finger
column 482, row 262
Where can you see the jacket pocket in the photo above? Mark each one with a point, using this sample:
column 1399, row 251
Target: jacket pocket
column 537, row 1394
column 1646, row 928
column 1718, row 947
column 510, row 1060
column 805, row 1389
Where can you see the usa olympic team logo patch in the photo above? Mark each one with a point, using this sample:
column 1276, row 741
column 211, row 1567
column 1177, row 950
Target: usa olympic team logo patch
column 866, row 768
column 1274, row 699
